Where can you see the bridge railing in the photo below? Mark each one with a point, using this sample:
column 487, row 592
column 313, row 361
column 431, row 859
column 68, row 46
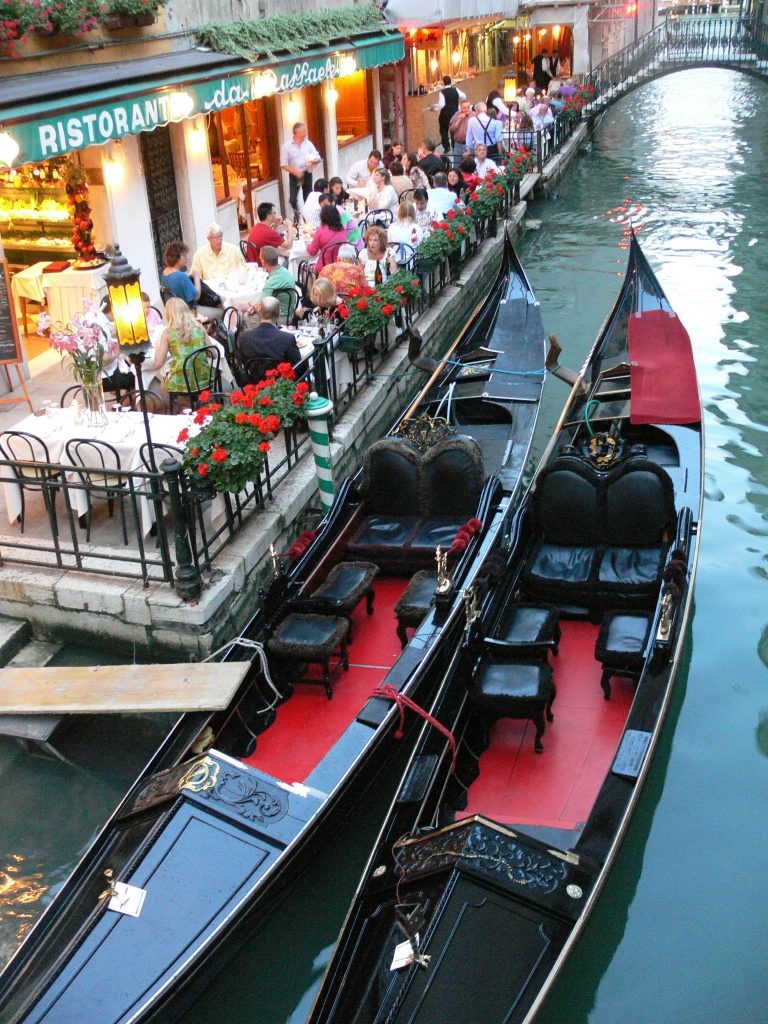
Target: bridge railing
column 706, row 40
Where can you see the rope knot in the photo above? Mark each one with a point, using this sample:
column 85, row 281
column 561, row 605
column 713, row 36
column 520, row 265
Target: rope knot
column 388, row 692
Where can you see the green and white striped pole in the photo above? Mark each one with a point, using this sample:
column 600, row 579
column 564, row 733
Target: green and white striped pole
column 318, row 412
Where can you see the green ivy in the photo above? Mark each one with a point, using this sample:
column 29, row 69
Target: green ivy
column 289, row 33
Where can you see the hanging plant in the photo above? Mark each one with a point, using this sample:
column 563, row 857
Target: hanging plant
column 69, row 17
column 15, row 23
column 125, row 13
column 76, row 188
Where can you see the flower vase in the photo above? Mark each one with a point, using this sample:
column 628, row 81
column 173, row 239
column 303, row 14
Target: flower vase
column 94, row 408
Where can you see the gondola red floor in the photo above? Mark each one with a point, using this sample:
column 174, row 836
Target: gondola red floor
column 308, row 724
column 558, row 787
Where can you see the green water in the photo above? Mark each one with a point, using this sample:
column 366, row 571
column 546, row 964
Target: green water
column 681, row 933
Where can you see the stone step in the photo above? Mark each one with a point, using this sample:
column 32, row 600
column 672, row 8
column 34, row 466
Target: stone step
column 14, row 633
column 37, row 728
column 36, row 654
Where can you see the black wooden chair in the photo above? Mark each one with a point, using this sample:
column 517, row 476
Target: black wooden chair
column 154, row 401
column 99, row 468
column 405, row 255
column 407, row 195
column 256, row 367
column 248, row 249
column 620, row 646
column 161, row 453
column 305, row 639
column 201, row 372
column 289, row 299
column 382, row 218
column 27, row 452
column 329, row 253
column 306, row 277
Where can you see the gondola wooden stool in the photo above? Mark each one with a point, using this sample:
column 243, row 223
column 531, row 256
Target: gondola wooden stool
column 342, row 590
column 313, row 639
column 414, row 602
column 620, row 646
column 528, row 630
column 515, row 689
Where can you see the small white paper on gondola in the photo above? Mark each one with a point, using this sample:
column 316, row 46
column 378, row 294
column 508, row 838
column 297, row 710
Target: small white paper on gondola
column 404, row 954
column 128, row 899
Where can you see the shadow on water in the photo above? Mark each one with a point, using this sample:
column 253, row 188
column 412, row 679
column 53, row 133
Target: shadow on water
column 572, row 998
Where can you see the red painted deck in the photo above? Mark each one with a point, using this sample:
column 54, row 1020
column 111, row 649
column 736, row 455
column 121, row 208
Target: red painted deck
column 558, row 787
column 308, row 724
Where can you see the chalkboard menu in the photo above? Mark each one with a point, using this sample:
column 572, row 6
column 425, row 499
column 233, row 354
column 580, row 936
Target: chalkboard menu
column 10, row 343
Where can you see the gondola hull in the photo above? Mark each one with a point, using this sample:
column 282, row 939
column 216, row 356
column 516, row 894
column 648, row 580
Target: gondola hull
column 207, row 841
column 494, row 854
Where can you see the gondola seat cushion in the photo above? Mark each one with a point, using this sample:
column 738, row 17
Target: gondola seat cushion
column 415, row 501
column 528, row 629
column 307, row 637
column 345, row 585
column 601, row 536
column 620, row 645
column 515, row 689
column 415, row 601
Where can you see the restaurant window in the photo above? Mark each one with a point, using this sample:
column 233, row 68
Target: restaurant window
column 352, row 108
column 243, row 145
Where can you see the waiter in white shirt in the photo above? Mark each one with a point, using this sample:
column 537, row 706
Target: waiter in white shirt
column 298, row 157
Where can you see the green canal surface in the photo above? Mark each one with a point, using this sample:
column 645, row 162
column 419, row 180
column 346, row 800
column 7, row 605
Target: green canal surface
column 680, row 933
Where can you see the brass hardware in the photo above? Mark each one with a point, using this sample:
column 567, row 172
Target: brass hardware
column 274, row 558
column 664, row 628
column 110, row 891
column 424, row 430
column 201, row 776
column 443, row 579
column 471, row 605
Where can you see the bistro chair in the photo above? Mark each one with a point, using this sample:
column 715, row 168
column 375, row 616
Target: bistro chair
column 249, row 251
column 154, row 401
column 382, row 218
column 290, row 297
column 256, row 367
column 165, row 294
column 329, row 253
column 407, row 195
column 202, row 372
column 98, row 465
column 161, row 453
column 405, row 255
column 232, row 320
column 27, row 452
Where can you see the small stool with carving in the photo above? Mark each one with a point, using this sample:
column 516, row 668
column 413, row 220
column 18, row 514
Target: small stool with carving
column 620, row 646
column 341, row 591
column 313, row 639
column 515, row 689
column 414, row 602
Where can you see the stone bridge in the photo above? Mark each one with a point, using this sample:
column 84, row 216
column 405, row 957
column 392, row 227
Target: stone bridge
column 740, row 44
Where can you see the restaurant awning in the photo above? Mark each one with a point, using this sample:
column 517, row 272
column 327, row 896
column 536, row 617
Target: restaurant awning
column 52, row 113
column 437, row 12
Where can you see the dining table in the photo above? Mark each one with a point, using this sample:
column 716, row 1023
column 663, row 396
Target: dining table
column 124, row 432
column 241, row 288
column 65, row 292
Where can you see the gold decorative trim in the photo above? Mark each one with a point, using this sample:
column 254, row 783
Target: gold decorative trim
column 202, row 775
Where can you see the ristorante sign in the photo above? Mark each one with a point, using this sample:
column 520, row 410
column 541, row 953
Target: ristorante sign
column 101, row 122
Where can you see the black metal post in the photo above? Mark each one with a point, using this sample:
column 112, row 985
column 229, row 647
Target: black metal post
column 188, row 583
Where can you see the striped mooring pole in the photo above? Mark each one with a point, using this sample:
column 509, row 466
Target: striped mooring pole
column 318, row 411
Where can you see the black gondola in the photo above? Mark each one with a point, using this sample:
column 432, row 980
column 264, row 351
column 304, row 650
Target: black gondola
column 210, row 840
column 498, row 842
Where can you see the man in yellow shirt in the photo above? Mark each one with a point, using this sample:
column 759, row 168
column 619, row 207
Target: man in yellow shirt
column 215, row 259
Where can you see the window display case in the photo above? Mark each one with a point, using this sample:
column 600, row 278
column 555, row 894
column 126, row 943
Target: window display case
column 35, row 221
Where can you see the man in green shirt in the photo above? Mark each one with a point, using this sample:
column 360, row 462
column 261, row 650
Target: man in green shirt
column 280, row 283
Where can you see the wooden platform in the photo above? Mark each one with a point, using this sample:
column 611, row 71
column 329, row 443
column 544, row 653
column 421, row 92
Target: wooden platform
column 121, row 689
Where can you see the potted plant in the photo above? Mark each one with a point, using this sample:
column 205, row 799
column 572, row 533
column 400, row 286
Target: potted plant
column 15, row 23
column 88, row 346
column 68, row 17
column 228, row 450
column 485, row 200
column 126, row 13
column 363, row 317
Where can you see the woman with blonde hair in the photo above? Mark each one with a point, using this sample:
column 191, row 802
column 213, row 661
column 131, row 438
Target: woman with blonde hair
column 182, row 335
column 405, row 228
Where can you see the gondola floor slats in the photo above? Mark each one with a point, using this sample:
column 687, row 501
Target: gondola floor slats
column 120, row 689
column 309, row 724
column 558, row 787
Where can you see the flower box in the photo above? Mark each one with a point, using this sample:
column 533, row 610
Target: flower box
column 351, row 343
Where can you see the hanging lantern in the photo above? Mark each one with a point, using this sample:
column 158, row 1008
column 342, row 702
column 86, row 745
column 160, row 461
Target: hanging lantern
column 127, row 308
column 510, row 88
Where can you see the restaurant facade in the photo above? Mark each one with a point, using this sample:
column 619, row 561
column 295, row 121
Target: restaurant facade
column 174, row 141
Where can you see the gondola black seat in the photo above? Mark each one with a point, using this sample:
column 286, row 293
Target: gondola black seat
column 600, row 536
column 528, row 630
column 515, row 689
column 414, row 602
column 415, row 500
column 341, row 591
column 312, row 639
column 620, row 646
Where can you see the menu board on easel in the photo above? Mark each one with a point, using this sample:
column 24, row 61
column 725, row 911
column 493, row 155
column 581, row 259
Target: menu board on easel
column 10, row 341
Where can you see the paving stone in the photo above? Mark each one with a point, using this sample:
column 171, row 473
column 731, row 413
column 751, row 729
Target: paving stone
column 13, row 635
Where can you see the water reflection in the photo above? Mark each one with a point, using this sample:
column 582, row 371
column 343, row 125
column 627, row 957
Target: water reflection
column 19, row 887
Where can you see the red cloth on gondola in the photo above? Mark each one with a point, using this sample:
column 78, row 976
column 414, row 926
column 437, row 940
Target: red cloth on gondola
column 662, row 372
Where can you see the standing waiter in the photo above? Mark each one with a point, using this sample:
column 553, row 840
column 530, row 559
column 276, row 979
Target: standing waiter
column 447, row 104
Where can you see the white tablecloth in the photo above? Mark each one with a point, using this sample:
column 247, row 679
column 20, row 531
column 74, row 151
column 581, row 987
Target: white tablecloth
column 124, row 432
column 65, row 293
column 296, row 255
column 240, row 293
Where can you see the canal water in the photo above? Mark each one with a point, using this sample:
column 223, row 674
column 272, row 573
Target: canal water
column 680, row 934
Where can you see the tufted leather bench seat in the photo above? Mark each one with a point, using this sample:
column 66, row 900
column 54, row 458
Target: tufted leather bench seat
column 515, row 689
column 601, row 535
column 415, row 501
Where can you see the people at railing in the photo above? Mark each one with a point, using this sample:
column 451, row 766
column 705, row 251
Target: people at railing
column 328, row 235
column 440, row 199
column 468, row 171
column 429, row 161
column 524, row 137
column 485, row 129
column 458, row 128
column 264, row 232
column 345, row 272
column 455, row 181
column 541, row 116
column 414, row 172
column 420, row 202
column 405, row 229
column 268, row 340
column 483, row 163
